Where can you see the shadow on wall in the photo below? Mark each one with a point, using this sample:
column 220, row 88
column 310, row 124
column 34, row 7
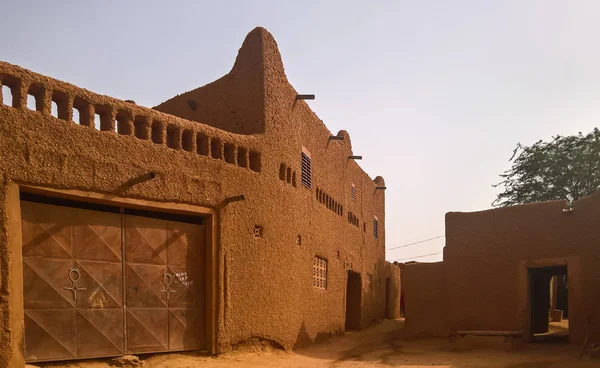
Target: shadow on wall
column 303, row 339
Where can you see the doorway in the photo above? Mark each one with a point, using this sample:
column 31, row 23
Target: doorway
column 103, row 281
column 353, row 301
column 549, row 304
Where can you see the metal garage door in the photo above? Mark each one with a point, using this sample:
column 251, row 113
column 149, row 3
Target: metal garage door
column 75, row 263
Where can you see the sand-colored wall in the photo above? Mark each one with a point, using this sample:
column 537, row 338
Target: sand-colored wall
column 487, row 255
column 264, row 285
column 486, row 262
column 424, row 287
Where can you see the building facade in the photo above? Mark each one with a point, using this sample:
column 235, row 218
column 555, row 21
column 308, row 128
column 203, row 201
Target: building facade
column 497, row 271
column 225, row 214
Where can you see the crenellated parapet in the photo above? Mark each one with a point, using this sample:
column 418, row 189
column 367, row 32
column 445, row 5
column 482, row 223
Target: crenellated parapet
column 30, row 92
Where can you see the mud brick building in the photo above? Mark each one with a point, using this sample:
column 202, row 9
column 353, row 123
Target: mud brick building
column 224, row 214
column 497, row 271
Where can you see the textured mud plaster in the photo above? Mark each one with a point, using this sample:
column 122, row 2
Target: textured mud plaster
column 424, row 286
column 250, row 123
column 488, row 254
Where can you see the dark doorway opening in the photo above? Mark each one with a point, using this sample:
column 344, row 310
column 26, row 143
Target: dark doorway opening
column 549, row 304
column 353, row 301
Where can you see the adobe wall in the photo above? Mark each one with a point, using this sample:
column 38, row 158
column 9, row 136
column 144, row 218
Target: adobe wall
column 424, row 286
column 264, row 285
column 487, row 255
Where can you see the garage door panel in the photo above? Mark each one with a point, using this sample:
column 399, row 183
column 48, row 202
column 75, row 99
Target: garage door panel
column 76, row 302
column 103, row 283
column 146, row 240
column 99, row 240
column 44, row 282
column 187, row 286
column 100, row 332
column 186, row 328
column 46, row 230
column 145, row 285
column 147, row 330
column 185, row 243
column 50, row 334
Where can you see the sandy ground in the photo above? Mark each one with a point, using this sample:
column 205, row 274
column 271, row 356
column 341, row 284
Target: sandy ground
column 378, row 346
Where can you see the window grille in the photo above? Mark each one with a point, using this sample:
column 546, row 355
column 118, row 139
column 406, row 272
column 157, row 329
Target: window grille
column 306, row 169
column 320, row 273
column 353, row 192
column 376, row 228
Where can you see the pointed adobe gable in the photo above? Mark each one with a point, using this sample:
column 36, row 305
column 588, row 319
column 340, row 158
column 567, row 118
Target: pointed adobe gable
column 235, row 102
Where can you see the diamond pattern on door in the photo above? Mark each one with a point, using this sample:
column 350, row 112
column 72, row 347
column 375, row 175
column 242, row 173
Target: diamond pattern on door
column 76, row 305
column 72, row 283
column 165, row 285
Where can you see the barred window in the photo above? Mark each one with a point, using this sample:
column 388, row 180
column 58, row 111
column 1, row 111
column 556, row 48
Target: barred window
column 320, row 273
column 353, row 192
column 376, row 228
column 368, row 280
column 306, row 169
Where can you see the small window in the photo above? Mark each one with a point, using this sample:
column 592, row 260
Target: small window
column 353, row 192
column 306, row 169
column 320, row 273
column 368, row 281
column 376, row 228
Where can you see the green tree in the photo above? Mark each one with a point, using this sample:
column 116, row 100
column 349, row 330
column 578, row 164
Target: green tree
column 566, row 168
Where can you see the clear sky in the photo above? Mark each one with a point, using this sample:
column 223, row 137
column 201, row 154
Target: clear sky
column 435, row 94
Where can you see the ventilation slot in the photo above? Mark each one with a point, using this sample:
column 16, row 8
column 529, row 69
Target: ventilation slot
column 306, row 169
column 320, row 273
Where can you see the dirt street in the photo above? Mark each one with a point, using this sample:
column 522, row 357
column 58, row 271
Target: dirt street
column 378, row 346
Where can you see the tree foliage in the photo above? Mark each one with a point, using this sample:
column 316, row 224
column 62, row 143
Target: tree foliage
column 566, row 168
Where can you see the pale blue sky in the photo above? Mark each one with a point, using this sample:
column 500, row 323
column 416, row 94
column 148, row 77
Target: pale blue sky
column 435, row 94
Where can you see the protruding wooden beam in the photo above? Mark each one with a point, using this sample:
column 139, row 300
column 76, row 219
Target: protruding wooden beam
column 381, row 188
column 354, row 157
column 228, row 200
column 336, row 137
column 305, row 97
column 135, row 181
